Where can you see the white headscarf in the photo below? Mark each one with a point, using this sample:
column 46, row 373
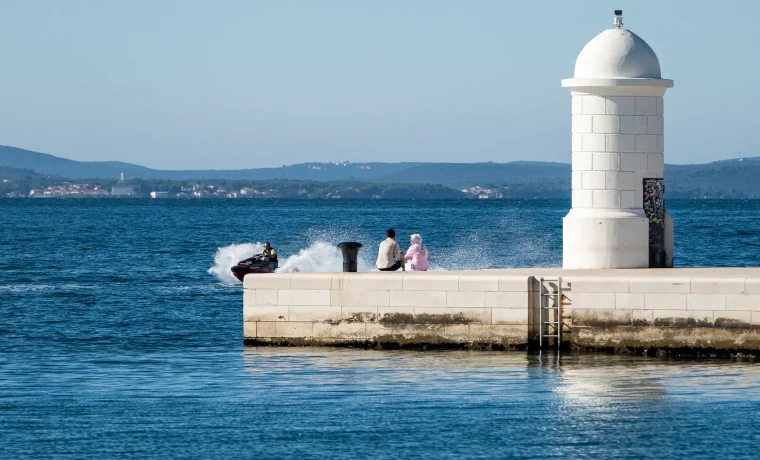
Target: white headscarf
column 417, row 239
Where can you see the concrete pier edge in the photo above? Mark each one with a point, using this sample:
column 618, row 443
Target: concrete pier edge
column 694, row 311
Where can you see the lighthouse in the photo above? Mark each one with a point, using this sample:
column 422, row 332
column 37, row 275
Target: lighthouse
column 618, row 217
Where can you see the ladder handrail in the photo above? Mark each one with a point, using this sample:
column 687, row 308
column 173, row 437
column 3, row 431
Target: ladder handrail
column 557, row 324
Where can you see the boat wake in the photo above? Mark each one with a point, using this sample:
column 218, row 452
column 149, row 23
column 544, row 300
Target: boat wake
column 321, row 256
column 230, row 255
column 318, row 257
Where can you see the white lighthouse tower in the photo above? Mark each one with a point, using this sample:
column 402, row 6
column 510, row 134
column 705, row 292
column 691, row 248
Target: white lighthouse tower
column 617, row 103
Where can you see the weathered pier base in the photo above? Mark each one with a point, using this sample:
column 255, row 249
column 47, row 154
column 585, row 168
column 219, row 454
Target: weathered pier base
column 638, row 309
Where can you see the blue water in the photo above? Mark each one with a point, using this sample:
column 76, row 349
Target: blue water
column 117, row 342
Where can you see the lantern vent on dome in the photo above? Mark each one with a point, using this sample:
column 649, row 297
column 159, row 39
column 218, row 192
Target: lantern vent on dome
column 618, row 21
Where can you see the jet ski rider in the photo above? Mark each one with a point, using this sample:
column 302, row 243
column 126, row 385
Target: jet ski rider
column 270, row 252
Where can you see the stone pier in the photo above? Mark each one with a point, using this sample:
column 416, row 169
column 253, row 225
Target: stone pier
column 635, row 310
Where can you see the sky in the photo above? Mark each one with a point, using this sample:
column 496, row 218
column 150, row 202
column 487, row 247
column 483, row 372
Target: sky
column 230, row 84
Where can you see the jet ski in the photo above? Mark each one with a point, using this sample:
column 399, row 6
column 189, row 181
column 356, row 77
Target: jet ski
column 256, row 264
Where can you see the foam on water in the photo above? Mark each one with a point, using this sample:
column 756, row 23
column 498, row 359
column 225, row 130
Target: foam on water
column 460, row 259
column 318, row 257
column 230, row 255
column 469, row 253
column 321, row 256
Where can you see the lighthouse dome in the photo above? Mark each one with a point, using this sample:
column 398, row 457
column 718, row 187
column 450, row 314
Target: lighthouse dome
column 617, row 53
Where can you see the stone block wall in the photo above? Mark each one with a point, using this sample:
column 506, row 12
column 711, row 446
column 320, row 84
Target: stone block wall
column 664, row 312
column 394, row 309
column 617, row 142
column 602, row 309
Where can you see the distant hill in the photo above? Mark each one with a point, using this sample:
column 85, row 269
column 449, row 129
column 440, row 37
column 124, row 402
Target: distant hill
column 720, row 179
column 727, row 178
column 431, row 173
column 16, row 174
column 476, row 173
column 44, row 163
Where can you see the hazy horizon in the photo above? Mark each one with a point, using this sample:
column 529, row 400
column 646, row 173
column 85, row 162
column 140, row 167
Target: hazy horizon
column 237, row 85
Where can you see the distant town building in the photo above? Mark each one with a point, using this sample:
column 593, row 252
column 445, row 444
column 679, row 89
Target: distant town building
column 159, row 194
column 250, row 192
column 69, row 190
column 95, row 193
column 482, row 193
column 123, row 190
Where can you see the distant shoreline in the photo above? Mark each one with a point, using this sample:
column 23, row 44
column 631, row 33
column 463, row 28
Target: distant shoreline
column 23, row 171
column 136, row 198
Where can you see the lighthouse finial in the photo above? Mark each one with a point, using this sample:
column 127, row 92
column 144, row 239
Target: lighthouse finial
column 618, row 21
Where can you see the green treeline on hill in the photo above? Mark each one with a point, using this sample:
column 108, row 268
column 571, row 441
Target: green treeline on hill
column 23, row 180
column 724, row 179
column 681, row 184
column 300, row 189
column 21, row 184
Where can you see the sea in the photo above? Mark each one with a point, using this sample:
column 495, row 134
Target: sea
column 121, row 337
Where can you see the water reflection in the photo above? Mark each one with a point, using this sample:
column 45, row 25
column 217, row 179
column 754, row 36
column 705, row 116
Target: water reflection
column 515, row 404
column 373, row 372
column 593, row 381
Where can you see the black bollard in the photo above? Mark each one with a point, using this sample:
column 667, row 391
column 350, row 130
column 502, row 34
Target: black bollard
column 350, row 255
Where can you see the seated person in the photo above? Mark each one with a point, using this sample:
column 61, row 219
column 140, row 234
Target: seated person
column 416, row 257
column 270, row 252
column 389, row 255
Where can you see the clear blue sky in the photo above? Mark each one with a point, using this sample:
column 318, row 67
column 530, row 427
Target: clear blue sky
column 242, row 83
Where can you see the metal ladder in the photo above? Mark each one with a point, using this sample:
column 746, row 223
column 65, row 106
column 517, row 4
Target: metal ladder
column 550, row 329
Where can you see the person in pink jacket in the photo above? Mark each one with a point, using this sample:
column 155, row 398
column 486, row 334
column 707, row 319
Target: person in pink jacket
column 416, row 257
